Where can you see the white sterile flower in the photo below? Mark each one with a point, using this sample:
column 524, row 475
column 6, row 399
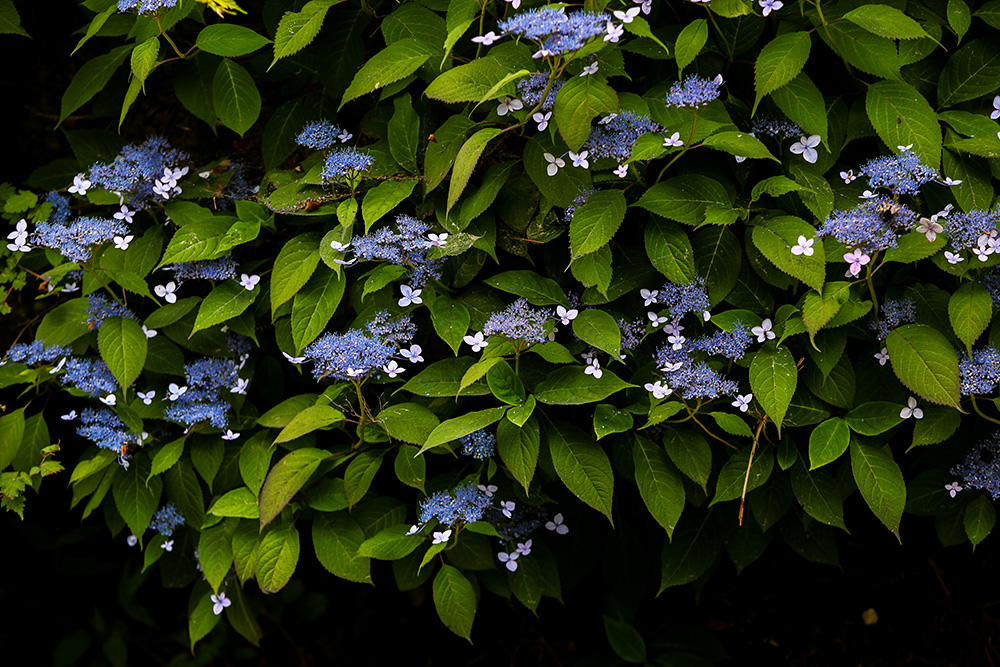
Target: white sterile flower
column 69, row 416
column 393, row 369
column 655, row 320
column 524, row 548
column 955, row 487
column 413, row 354
column 58, row 367
column 676, row 341
column 948, row 180
column 848, row 176
column 763, row 332
column 607, row 119
column 911, row 410
column 566, row 316
column 20, row 230
column 477, row 342
column 109, row 399
column 806, row 147
column 346, row 262
column 20, row 244
column 882, row 356
column 580, row 159
column 150, row 333
column 121, row 242
column 229, row 435
column 124, row 214
column 507, row 506
column 996, row 108
column 649, row 296
column 645, row 5
column 587, row 356
column 489, row 490
column 410, row 295
column 353, row 373
column 514, row 3
column 340, row 247
column 953, row 257
column 671, row 367
column 437, row 240
column 509, row 560
column 487, row 39
column 294, row 360
column 414, row 529
column 166, row 292
column 70, row 287
column 205, row 174
column 589, row 69
column 705, row 315
column 658, row 389
column 594, row 369
column 243, row 360
column 742, row 402
column 508, row 104
column 249, row 282
column 740, row 159
column 905, row 148
column 628, row 15
column 804, row 247
column 557, row 524
column 220, row 602
column 80, row 185
column 142, row 437
column 555, row 164
column 240, row 387
column 673, row 140
column 614, row 32
column 174, row 392
column 345, row 136
column 770, row 6
column 148, row 397
column 856, row 259
column 930, row 228
column 868, row 194
column 621, row 171
column 438, row 537
column 168, row 545
column 542, row 119
column 132, row 540
column 983, row 252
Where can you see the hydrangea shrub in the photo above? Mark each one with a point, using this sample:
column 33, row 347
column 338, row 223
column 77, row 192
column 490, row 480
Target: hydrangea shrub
column 484, row 281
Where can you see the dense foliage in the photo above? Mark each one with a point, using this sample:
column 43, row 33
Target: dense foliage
column 483, row 282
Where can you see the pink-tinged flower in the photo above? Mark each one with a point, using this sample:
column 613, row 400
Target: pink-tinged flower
column 804, row 247
column 954, row 487
column 953, row 257
column 594, row 369
column 628, row 15
column 621, row 171
column 649, row 296
column 542, row 119
column 248, row 282
column 566, row 316
column 614, row 32
column 580, row 159
column 930, row 228
column 856, row 259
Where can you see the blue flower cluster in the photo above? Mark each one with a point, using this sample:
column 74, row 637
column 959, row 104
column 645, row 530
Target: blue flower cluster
column 104, row 429
column 222, row 268
column 464, row 503
column 479, row 445
column 578, row 201
column 980, row 373
column 36, row 352
column 981, row 468
column 615, row 135
column 965, row 229
column 870, row 226
column 730, row 344
column 991, row 281
column 346, row 162
column 682, row 298
column 771, row 126
column 99, row 309
column 407, row 247
column 523, row 521
column 894, row 313
column 145, row 6
column 692, row 379
column 519, row 321
column 166, row 520
column 358, row 353
column 137, row 170
column 903, row 173
column 91, row 376
column 694, row 91
column 60, row 207
column 556, row 32
column 207, row 379
column 74, row 241
column 632, row 332
column 530, row 90
column 236, row 189
column 318, row 135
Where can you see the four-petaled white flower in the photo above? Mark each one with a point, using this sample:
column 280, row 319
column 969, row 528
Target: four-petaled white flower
column 230, row 435
column 240, row 387
column 19, row 242
column 882, row 356
column 673, row 140
column 124, row 214
column 580, row 159
column 557, row 524
column 594, row 369
column 410, row 295
column 856, row 259
column 437, row 240
column 70, row 287
column 607, row 119
column 166, row 292
column 649, row 296
column 676, row 341
column 566, row 316
column 489, row 490
column 249, row 282
column 393, row 369
column 121, row 242
column 345, row 136
column 930, row 228
column 509, row 560
column 658, row 389
column 150, row 333
column 555, row 164
column 168, row 545
column 487, row 39
column 220, row 602
column 589, row 69
column 911, row 409
column 705, row 315
column 110, row 399
column 508, row 104
column 848, row 176
column 614, row 32
column 628, row 15
column 867, row 194
column 80, row 185
column 953, row 257
column 770, row 6
column 742, row 402
column 524, row 548
column 438, row 537
column 132, row 540
column 477, row 342
column 294, row 360
column 655, row 320
column 174, row 392
column 148, row 397
column 542, row 119
column 948, row 180
column 507, row 506
column 414, row 529
column 69, row 416
column 903, row 149
column 763, row 332
column 58, row 367
column 413, row 354
column 621, row 171
column 955, row 487
column 806, row 146
column 804, row 247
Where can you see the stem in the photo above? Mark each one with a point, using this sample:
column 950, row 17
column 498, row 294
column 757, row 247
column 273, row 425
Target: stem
column 871, row 289
column 746, row 480
column 163, row 32
column 734, row 447
column 687, row 146
column 975, row 406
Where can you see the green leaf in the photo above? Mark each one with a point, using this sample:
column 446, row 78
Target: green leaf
column 193, row 86
column 773, row 377
column 144, row 58
column 391, row 543
column 594, row 224
column 232, row 41
column 504, row 383
column 308, row 420
column 874, row 417
column 293, row 267
column 398, row 60
column 742, row 144
column 166, row 457
column 404, row 133
column 690, row 553
column 469, row 83
column 336, row 538
column 465, row 162
column 979, row 519
column 885, row 21
column 817, row 492
column 925, row 362
column 518, row 448
column 246, row 544
column 409, row 422
column 571, row 386
column 136, row 499
column 296, row 30
column 91, row 79
column 970, row 310
column 733, row 475
column 194, row 241
column 938, row 424
column 959, row 17
column 803, row 103
column 215, row 553
column 684, row 198
column 315, row 304
column 779, row 62
column 8, row 12
column 732, row 424
column 443, row 378
column 818, row 310
column 625, row 640
column 455, row 601
column 828, row 441
column 578, row 102
column 775, row 239
column 383, row 198
column 690, row 42
column 285, row 480
column 880, row 482
column 537, row 290
column 861, row 49
column 235, row 97
column 451, row 320
column 718, row 256
column 609, row 419
column 690, row 452
column 669, row 250
column 583, row 466
column 600, row 330
column 240, row 502
column 201, row 618
column 660, row 487
column 224, row 303
column 11, row 435
column 359, row 475
column 277, row 556
column 455, row 428
column 902, row 116
column 640, row 27
column 123, row 347
column 410, row 468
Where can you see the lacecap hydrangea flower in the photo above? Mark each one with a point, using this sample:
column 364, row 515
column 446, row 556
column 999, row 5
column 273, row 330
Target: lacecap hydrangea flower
column 556, row 32
column 479, row 445
column 694, row 91
column 138, row 171
column 462, row 504
column 519, row 321
column 319, row 135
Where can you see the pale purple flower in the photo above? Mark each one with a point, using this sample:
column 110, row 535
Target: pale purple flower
column 489, row 490
column 953, row 257
column 437, row 240
column 174, row 392
column 589, row 69
column 557, row 524
column 804, row 247
column 594, row 369
column 911, row 409
column 614, row 32
column 109, row 400
column 930, row 228
column 771, row 6
column 148, row 397
column 414, row 529
column 294, row 360
column 882, row 356
column 655, row 320
column 676, row 341
column 80, row 185
column 477, row 342
column 868, row 194
column 440, row 537
column 124, row 214
column 955, row 487
column 848, row 176
column 168, row 545
column 628, row 15
column 509, row 560
column 69, row 416
column 524, row 548
column 340, row 247
column 542, row 119
column 996, row 108
column 392, row 369
column 248, row 282
column 763, row 332
column 220, row 602
column 507, row 506
column 658, row 389
column 742, row 402
column 856, row 259
column 345, row 136
column 673, row 140
column 241, row 386
column 645, row 5
column 621, row 171
column 948, row 180
column 806, row 146
column 487, row 39
column 166, row 292
column 566, row 316
column 230, row 435
column 579, row 159
column 412, row 354
column 132, row 540
column 150, row 333
column 649, row 296
column 410, row 295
